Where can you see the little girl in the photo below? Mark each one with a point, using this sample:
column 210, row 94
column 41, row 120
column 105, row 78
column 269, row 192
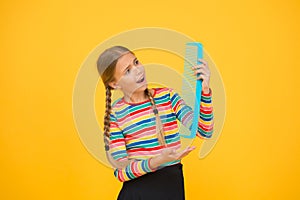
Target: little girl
column 141, row 131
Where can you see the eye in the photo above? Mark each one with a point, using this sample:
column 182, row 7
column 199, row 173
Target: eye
column 127, row 71
column 136, row 62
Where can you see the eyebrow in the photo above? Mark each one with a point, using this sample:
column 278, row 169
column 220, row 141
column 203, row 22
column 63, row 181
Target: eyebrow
column 129, row 65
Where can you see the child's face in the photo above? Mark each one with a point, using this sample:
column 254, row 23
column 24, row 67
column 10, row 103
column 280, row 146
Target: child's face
column 130, row 75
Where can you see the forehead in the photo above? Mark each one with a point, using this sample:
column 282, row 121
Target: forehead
column 125, row 61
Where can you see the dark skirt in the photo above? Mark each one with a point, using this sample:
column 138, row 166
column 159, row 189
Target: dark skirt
column 164, row 184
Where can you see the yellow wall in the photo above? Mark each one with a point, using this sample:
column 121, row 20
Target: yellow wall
column 255, row 45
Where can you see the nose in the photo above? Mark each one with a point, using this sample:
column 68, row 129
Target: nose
column 138, row 69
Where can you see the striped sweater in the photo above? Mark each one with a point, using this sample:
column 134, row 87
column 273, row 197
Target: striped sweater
column 133, row 129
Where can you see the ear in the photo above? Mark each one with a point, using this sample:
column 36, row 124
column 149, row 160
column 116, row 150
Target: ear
column 114, row 85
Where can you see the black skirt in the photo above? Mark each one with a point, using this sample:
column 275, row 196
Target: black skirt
column 164, row 184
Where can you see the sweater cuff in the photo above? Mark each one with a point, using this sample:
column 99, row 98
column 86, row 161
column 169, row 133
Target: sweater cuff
column 149, row 167
column 208, row 94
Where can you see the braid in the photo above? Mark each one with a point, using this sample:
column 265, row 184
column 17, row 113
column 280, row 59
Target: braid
column 106, row 66
column 159, row 127
column 150, row 97
column 113, row 162
column 107, row 111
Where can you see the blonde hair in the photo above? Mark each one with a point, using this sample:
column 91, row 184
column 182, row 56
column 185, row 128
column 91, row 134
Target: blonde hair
column 106, row 66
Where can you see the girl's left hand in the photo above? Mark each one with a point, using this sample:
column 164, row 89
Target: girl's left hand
column 204, row 72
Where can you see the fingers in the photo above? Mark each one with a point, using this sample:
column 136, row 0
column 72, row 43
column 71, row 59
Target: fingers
column 202, row 74
column 185, row 152
column 202, row 77
column 201, row 68
column 200, row 71
column 203, row 61
column 170, row 154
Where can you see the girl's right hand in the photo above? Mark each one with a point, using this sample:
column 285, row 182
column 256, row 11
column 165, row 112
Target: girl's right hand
column 169, row 155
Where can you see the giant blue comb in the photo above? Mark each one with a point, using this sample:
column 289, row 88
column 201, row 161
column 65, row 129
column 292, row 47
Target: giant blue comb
column 191, row 87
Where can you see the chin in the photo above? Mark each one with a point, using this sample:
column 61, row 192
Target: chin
column 143, row 87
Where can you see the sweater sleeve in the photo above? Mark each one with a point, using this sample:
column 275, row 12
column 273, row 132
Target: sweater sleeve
column 184, row 113
column 135, row 168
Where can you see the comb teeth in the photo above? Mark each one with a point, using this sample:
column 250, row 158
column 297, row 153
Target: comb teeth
column 191, row 87
column 190, row 61
column 189, row 82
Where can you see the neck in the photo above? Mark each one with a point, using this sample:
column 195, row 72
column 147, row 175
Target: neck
column 136, row 97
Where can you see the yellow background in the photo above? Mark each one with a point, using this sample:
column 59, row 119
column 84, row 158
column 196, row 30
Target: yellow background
column 255, row 45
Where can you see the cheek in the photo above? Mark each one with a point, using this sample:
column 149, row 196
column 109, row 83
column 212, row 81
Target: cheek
column 126, row 82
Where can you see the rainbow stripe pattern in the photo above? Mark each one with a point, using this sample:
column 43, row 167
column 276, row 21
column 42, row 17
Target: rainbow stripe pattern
column 133, row 129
